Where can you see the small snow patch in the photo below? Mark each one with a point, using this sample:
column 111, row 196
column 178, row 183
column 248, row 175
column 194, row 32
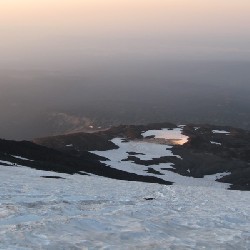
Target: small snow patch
column 216, row 143
column 220, row 132
column 21, row 158
column 6, row 163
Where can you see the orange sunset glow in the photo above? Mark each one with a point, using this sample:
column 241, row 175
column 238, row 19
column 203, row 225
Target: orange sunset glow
column 206, row 27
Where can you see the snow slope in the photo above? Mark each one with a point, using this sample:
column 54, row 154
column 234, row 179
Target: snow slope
column 148, row 151
column 88, row 212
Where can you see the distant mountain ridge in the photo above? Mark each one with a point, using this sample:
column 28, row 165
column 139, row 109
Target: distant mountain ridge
column 210, row 150
column 205, row 153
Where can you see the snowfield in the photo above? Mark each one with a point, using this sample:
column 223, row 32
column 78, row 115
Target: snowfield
column 89, row 212
column 149, row 151
column 168, row 134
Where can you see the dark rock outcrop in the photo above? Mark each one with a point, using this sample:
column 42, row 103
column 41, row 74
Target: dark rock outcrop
column 205, row 153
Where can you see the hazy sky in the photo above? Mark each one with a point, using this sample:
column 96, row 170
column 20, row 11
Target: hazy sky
column 123, row 60
column 58, row 34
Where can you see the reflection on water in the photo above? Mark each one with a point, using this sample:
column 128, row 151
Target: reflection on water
column 172, row 136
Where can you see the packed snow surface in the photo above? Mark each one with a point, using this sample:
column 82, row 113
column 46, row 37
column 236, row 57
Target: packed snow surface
column 216, row 176
column 168, row 134
column 88, row 212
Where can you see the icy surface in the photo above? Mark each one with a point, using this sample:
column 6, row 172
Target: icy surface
column 84, row 212
column 148, row 151
column 168, row 134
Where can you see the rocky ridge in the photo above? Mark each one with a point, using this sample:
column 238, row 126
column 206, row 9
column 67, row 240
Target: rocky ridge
column 205, row 153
